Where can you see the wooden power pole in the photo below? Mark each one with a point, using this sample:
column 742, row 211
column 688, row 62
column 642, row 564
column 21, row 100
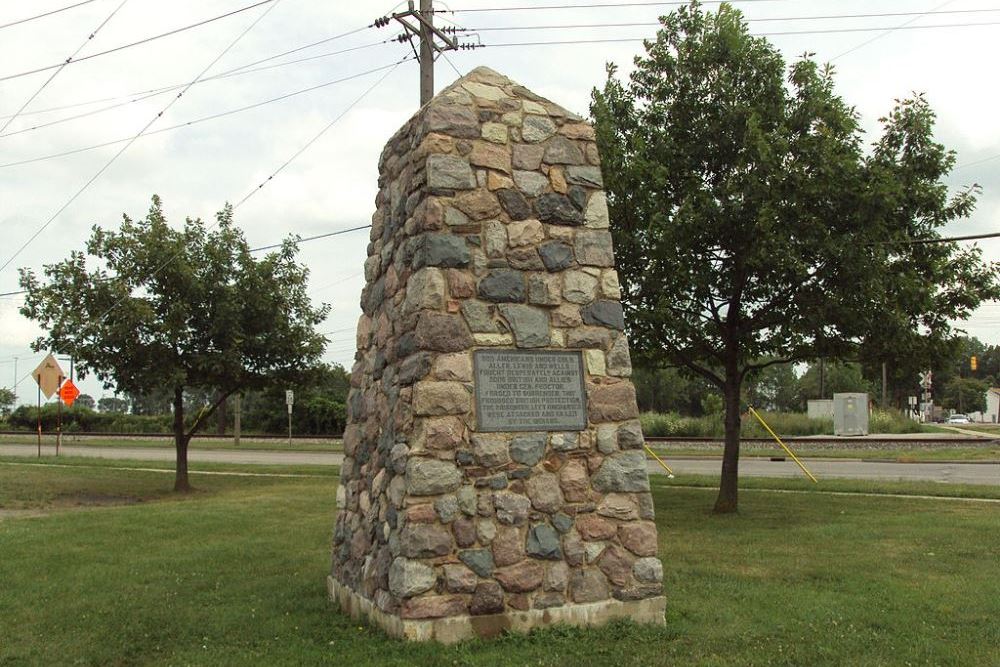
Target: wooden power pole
column 424, row 30
column 426, row 18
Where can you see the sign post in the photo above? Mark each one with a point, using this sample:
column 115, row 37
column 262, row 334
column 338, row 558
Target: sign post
column 48, row 375
column 289, row 400
column 67, row 394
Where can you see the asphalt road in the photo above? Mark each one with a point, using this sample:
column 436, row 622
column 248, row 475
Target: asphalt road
column 954, row 473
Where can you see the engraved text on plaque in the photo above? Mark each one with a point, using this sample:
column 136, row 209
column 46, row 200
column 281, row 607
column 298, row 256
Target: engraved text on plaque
column 529, row 390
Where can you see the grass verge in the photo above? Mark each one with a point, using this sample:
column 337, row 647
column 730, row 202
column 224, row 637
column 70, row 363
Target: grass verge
column 234, row 575
column 900, row 455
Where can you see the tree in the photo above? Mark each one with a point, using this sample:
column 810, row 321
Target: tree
column 112, row 404
column 774, row 388
column 183, row 310
column 752, row 229
column 7, row 400
column 965, row 395
column 838, row 377
column 85, row 401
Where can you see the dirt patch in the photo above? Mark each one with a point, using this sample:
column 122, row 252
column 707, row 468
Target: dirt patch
column 85, row 499
column 20, row 514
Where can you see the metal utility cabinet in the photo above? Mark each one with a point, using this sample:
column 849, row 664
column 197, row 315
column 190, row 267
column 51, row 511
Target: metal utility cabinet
column 850, row 414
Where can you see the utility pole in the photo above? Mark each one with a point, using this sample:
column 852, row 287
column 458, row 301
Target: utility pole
column 426, row 51
column 424, row 30
column 885, row 391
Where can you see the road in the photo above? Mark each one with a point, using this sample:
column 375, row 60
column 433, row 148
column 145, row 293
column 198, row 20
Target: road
column 954, row 473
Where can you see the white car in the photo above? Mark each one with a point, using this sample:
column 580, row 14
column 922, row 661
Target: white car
column 958, row 419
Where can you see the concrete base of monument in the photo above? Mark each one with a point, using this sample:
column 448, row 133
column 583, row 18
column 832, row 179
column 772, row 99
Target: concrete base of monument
column 457, row 628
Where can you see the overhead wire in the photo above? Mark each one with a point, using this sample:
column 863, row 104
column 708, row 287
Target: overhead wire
column 201, row 119
column 137, row 135
column 44, row 14
column 590, row 6
column 59, row 68
column 901, row 26
column 277, row 171
column 73, row 61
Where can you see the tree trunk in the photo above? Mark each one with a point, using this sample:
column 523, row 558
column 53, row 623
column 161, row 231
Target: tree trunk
column 181, row 483
column 728, row 486
column 221, row 416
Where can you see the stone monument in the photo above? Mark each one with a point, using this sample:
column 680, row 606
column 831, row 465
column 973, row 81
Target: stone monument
column 494, row 476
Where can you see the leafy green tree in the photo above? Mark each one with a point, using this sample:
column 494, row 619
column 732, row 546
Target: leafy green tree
column 751, row 227
column 187, row 309
column 670, row 390
column 838, row 377
column 965, row 395
column 774, row 388
column 85, row 401
column 112, row 404
column 7, row 400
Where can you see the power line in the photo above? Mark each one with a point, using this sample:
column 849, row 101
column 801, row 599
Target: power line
column 222, row 75
column 139, row 134
column 901, row 26
column 59, row 68
column 947, row 239
column 225, row 75
column 49, row 13
column 202, row 119
column 287, row 162
column 749, row 20
column 315, row 238
column 596, row 6
column 756, row 34
column 71, row 61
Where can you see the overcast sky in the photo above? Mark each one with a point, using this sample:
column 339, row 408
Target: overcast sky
column 332, row 185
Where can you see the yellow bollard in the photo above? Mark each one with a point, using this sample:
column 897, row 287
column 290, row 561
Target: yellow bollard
column 660, row 461
column 783, row 445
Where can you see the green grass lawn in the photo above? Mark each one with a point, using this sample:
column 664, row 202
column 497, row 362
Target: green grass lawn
column 903, row 454
column 234, row 575
column 246, row 443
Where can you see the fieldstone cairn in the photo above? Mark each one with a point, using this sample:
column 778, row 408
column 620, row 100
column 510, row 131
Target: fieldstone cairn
column 494, row 476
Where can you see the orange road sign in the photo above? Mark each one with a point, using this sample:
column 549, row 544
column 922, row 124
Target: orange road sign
column 68, row 393
column 48, row 375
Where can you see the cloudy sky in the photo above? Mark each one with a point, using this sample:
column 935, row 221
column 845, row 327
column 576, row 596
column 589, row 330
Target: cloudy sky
column 332, row 185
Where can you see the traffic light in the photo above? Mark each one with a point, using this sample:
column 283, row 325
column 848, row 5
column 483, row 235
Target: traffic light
column 972, row 363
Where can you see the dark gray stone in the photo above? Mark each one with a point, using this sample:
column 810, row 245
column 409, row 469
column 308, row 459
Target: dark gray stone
column 593, row 248
column 528, row 449
column 442, row 332
column 578, row 196
column 556, row 255
column 557, row 209
column 415, row 367
column 630, row 435
column 514, row 203
column 543, row 542
column 562, row 522
column 479, row 561
column 477, row 315
column 503, row 286
column 604, row 314
column 530, row 325
column 452, row 119
column 444, row 250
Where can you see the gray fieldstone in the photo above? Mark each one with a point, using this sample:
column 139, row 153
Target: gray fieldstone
column 623, row 472
column 490, row 450
column 619, row 360
column 557, row 209
column 503, row 286
column 579, row 287
column 433, row 398
column 425, row 540
column 430, row 477
column 449, row 172
column 565, row 442
column 459, row 579
column 528, row 157
column 544, row 289
column 479, row 561
column 444, row 250
column 477, row 316
column 466, row 497
column 446, row 508
column 531, row 183
column 648, row 570
column 530, row 325
column 455, row 218
column 586, row 176
column 452, row 119
column 588, row 585
column 578, row 196
column 560, row 150
column 494, row 238
column 543, row 542
column 410, row 577
column 514, row 203
column 425, row 291
column 604, row 314
column 537, row 128
column 556, row 255
column 511, row 508
column 562, row 522
column 528, row 449
column 630, row 435
column 593, row 248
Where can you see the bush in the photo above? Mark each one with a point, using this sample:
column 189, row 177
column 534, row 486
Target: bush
column 77, row 419
column 786, row 424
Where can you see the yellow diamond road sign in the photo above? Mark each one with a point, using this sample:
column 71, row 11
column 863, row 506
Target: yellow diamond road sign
column 48, row 375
